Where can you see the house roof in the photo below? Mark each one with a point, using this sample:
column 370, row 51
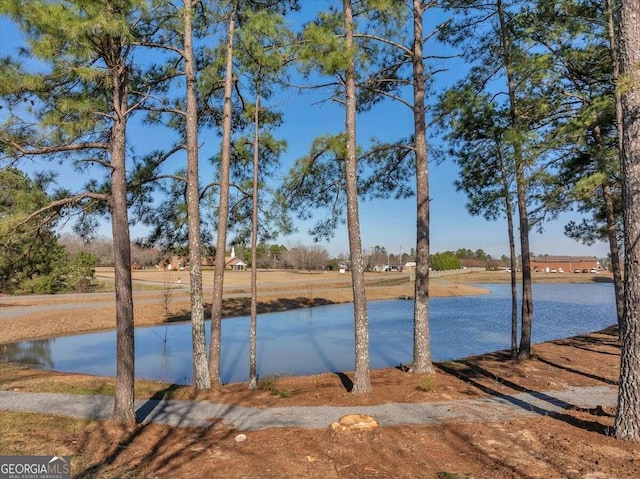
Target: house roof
column 562, row 259
column 473, row 263
column 233, row 261
column 496, row 263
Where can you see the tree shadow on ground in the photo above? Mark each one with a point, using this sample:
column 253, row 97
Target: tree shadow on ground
column 576, row 371
column 346, row 381
column 147, row 408
column 595, row 344
column 511, row 466
column 233, row 307
column 156, row 455
column 473, row 374
column 604, row 342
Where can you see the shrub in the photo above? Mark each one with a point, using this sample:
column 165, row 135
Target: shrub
column 426, row 384
column 80, row 272
column 45, row 284
column 444, row 261
column 269, row 384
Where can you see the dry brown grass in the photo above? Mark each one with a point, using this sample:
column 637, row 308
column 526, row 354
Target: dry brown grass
column 277, row 291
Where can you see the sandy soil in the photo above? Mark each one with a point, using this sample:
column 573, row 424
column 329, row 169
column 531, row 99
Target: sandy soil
column 575, row 444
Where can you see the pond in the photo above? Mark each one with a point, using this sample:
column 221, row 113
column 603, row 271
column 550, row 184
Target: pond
column 309, row 341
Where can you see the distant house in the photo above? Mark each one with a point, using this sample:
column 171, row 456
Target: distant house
column 175, row 263
column 472, row 263
column 409, row 266
column 234, row 263
column 564, row 264
column 496, row 264
column 208, row 261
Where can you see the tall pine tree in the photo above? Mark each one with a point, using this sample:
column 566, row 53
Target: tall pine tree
column 81, row 105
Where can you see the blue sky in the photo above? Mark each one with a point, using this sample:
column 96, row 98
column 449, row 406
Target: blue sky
column 391, row 223
column 388, row 223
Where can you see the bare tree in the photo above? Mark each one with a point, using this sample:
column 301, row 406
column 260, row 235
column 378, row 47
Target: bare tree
column 305, row 257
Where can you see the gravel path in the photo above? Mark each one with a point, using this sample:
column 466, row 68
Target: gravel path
column 203, row 413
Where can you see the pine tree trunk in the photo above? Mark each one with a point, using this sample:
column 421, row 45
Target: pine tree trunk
column 512, row 257
column 611, row 219
column 514, row 291
column 421, row 339
column 123, row 412
column 253, row 368
column 524, row 351
column 614, row 252
column 627, row 423
column 361, row 382
column 201, row 380
column 223, row 209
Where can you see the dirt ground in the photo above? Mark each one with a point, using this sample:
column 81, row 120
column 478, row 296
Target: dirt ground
column 574, row 444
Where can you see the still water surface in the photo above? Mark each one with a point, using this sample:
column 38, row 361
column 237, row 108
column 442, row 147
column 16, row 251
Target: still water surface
column 308, row 341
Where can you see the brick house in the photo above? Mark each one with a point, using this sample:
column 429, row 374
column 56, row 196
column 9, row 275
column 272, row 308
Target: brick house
column 472, row 263
column 233, row 262
column 175, row 263
column 563, row 264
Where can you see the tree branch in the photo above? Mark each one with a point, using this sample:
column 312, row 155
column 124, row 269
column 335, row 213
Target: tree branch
column 54, row 205
column 161, row 46
column 54, row 149
column 387, row 41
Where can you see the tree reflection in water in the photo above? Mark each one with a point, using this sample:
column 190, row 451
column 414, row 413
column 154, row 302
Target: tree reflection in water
column 36, row 352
